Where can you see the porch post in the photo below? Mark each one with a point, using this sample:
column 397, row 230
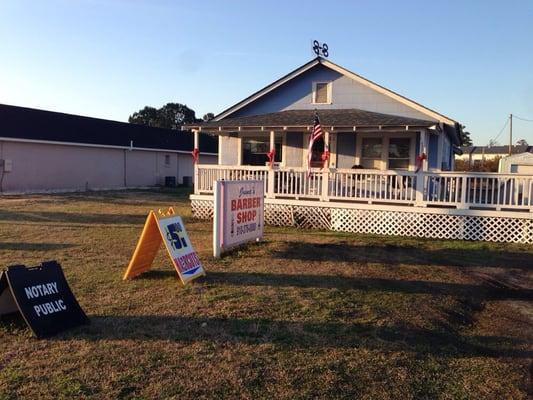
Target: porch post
column 424, row 144
column 325, row 171
column 271, row 174
column 420, row 176
column 196, row 145
column 196, row 140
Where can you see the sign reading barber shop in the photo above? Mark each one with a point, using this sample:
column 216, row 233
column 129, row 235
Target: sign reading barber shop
column 42, row 296
column 238, row 213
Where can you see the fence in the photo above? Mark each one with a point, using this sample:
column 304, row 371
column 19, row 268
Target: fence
column 424, row 189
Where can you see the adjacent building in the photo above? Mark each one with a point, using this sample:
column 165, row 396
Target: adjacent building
column 49, row 151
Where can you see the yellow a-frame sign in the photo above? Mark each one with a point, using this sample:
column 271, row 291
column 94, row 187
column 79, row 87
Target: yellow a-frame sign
column 168, row 228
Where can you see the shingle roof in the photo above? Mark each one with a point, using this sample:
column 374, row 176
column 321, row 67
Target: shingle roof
column 301, row 118
column 496, row 149
column 32, row 124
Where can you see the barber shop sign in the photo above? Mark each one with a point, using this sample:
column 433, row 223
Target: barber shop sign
column 238, row 214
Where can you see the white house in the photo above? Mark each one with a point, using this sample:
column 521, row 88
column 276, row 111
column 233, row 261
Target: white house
column 388, row 169
column 365, row 124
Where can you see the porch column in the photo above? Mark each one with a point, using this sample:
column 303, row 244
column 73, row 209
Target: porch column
column 271, row 174
column 325, row 171
column 196, row 145
column 424, row 145
column 326, row 147
column 196, row 140
column 420, row 178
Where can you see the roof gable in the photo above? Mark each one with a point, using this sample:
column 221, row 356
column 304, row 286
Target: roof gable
column 290, row 89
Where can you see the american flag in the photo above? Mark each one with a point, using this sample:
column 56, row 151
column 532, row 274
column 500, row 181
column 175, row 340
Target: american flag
column 317, row 132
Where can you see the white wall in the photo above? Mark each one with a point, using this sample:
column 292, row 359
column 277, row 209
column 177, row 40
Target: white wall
column 42, row 167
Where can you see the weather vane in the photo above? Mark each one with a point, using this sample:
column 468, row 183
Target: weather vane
column 320, row 50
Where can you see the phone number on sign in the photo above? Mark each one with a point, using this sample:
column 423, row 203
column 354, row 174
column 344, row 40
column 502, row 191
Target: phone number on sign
column 241, row 230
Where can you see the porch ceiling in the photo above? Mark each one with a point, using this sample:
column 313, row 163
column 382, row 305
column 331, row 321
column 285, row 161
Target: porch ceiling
column 351, row 119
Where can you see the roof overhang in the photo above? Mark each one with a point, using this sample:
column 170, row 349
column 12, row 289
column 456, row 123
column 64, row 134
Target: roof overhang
column 333, row 128
column 340, row 120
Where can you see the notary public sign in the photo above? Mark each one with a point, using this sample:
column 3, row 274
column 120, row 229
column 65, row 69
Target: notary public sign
column 42, row 296
column 168, row 228
column 238, row 213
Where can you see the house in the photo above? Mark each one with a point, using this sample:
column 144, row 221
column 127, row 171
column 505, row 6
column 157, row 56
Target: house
column 51, row 151
column 384, row 164
column 476, row 155
column 366, row 125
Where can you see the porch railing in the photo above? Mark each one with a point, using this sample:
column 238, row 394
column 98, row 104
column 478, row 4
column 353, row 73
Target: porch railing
column 445, row 189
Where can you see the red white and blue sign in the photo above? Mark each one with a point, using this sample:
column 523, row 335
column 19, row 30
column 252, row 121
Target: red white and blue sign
column 180, row 248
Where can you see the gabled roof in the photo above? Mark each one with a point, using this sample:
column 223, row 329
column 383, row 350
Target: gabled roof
column 39, row 125
column 329, row 119
column 319, row 60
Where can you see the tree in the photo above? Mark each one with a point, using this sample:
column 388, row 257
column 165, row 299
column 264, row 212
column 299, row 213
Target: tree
column 522, row 142
column 208, row 117
column 170, row 116
column 464, row 137
column 146, row 116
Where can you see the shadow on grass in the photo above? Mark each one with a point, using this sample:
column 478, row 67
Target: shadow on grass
column 391, row 254
column 296, row 334
column 340, row 282
column 63, row 217
column 34, row 246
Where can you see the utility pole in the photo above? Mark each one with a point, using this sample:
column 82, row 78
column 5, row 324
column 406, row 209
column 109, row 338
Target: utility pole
column 510, row 134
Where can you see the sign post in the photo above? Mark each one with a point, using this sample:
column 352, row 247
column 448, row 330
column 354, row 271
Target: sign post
column 238, row 213
column 168, row 228
column 42, row 296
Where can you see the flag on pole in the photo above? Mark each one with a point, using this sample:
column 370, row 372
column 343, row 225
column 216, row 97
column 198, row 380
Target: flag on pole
column 317, row 132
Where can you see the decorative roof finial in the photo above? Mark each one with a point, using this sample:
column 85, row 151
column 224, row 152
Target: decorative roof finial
column 320, row 50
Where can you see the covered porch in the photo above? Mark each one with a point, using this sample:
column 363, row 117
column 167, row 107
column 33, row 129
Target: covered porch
column 352, row 139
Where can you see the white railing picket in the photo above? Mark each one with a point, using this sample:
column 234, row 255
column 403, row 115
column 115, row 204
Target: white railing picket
column 453, row 189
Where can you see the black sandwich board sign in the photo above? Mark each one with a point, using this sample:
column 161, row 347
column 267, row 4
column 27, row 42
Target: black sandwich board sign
column 43, row 297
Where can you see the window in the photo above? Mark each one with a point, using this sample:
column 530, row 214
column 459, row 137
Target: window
column 255, row 149
column 399, row 150
column 321, row 92
column 167, row 159
column 371, row 151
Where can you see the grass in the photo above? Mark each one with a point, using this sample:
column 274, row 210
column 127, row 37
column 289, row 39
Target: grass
column 304, row 314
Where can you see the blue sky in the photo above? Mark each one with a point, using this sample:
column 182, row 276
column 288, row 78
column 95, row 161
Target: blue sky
column 470, row 60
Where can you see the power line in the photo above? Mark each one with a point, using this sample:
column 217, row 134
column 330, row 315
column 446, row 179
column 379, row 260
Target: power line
column 522, row 119
column 501, row 130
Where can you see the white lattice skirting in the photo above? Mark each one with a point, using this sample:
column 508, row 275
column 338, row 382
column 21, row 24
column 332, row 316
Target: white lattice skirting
column 382, row 220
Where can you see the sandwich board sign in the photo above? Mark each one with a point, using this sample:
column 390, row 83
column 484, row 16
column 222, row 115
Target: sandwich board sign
column 238, row 213
column 168, row 228
column 42, row 296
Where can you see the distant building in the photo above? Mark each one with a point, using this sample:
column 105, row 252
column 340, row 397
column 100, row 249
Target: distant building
column 475, row 155
column 521, row 163
column 50, row 151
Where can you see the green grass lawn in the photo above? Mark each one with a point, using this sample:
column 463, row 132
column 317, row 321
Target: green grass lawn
column 304, row 314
